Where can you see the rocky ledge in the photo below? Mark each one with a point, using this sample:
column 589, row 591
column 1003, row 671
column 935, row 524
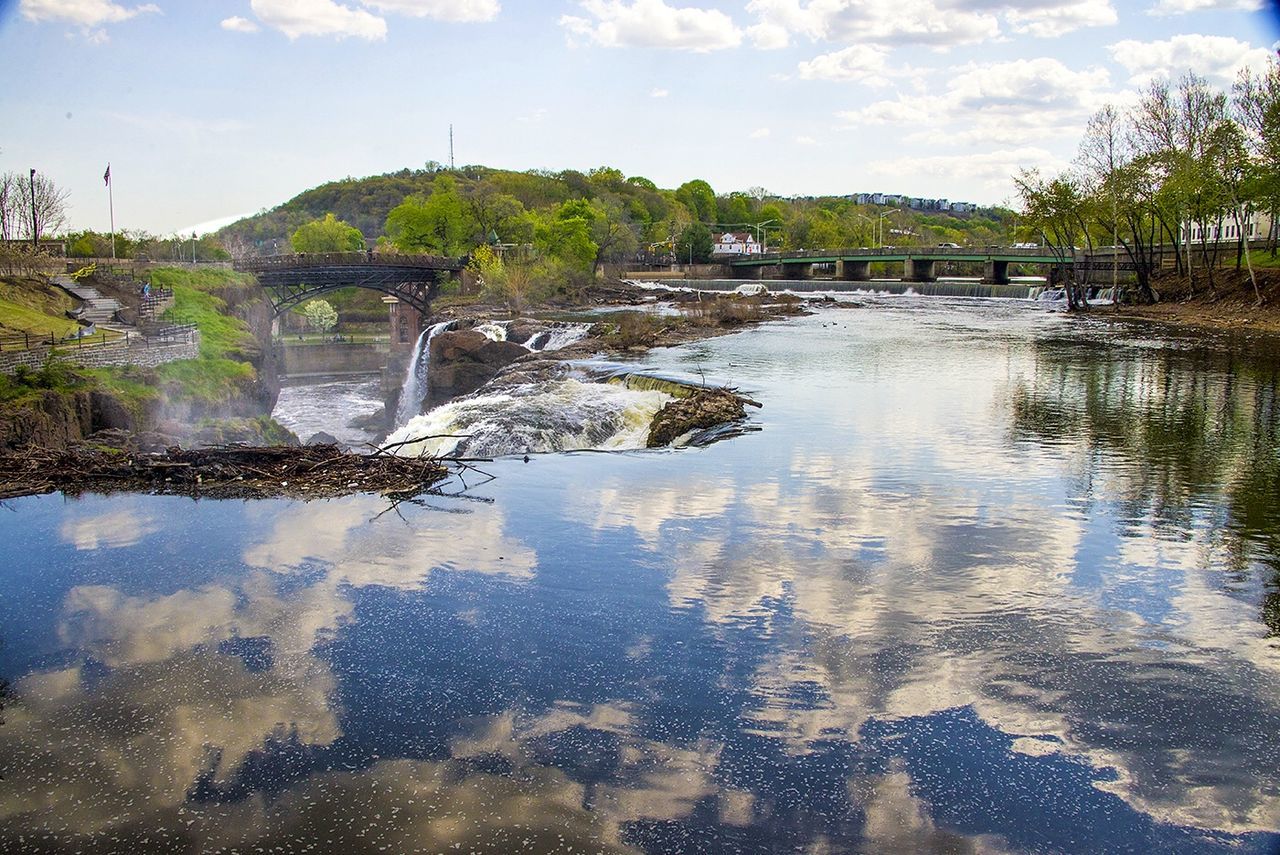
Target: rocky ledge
column 702, row 409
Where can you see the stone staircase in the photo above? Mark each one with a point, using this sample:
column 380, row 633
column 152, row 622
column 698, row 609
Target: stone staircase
column 98, row 310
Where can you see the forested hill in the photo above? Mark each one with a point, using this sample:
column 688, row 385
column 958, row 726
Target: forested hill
column 506, row 205
column 366, row 202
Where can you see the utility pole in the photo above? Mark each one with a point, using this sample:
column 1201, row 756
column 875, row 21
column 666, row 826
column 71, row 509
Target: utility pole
column 451, row 148
column 193, row 247
column 35, row 224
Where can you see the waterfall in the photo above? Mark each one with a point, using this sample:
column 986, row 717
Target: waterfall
column 561, row 335
column 415, row 375
column 565, row 415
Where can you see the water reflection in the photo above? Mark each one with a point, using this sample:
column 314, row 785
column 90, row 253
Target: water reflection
column 992, row 606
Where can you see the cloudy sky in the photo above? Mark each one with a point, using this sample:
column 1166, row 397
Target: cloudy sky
column 208, row 110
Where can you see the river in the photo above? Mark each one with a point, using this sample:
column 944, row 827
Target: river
column 987, row 579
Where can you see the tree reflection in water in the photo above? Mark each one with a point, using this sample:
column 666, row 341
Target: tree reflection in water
column 1189, row 437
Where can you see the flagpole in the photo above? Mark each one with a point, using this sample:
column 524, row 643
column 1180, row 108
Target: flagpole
column 111, row 204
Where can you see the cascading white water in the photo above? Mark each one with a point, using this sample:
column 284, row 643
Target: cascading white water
column 415, row 375
column 558, row 337
column 561, row 416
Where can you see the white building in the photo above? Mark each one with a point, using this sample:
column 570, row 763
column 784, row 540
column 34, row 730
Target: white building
column 1256, row 227
column 736, row 243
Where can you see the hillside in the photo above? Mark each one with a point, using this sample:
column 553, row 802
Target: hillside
column 509, row 205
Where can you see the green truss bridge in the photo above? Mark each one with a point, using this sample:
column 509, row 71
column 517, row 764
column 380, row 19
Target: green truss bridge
column 854, row 265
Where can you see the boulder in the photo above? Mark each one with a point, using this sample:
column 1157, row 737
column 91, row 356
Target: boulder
column 322, row 438
column 463, row 361
column 705, row 408
column 522, row 330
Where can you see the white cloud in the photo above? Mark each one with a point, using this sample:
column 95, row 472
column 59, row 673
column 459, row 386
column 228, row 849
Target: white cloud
column 86, row 13
column 1051, row 21
column 455, row 11
column 859, row 63
column 802, row 140
column 653, row 24
column 658, row 93
column 1182, row 7
column 296, row 18
column 1211, row 56
column 1042, row 83
column 759, row 133
column 993, row 168
column 886, row 22
column 1010, row 103
column 940, row 23
column 236, row 24
column 1021, row 88
column 767, row 36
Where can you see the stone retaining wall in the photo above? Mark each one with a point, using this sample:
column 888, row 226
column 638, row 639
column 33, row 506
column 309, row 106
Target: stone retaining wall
column 134, row 352
column 304, row 359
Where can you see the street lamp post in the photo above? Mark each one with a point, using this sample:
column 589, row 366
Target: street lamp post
column 880, row 228
column 759, row 227
column 193, row 247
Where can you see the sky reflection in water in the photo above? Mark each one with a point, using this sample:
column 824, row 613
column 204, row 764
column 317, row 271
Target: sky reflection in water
column 981, row 584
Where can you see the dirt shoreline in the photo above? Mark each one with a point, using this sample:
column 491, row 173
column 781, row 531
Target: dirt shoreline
column 1230, row 305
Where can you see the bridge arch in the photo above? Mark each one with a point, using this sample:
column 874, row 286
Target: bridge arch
column 294, row 279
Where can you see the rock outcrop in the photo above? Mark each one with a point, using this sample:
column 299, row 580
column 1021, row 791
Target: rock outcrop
column 463, row 361
column 705, row 408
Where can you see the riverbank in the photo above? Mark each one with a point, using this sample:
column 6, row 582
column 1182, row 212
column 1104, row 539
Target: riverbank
column 1231, row 304
column 224, row 394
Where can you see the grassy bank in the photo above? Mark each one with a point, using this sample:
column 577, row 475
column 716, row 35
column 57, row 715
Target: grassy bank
column 218, row 396
column 227, row 344
column 30, row 306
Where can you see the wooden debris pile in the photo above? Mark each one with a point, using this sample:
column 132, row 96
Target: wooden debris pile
column 232, row 472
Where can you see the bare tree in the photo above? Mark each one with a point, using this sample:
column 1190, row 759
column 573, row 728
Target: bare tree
column 9, row 208
column 18, row 191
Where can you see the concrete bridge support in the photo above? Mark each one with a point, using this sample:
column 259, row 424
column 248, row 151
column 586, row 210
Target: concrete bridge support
column 996, row 273
column 797, row 270
column 751, row 273
column 919, row 270
column 853, row 271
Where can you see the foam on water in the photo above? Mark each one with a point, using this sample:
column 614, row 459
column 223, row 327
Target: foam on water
column 565, row 415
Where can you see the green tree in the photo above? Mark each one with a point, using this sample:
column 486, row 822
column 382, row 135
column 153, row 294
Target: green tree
column 699, row 198
column 320, row 316
column 566, row 236
column 438, row 223
column 694, row 243
column 328, row 234
column 496, row 213
column 735, row 209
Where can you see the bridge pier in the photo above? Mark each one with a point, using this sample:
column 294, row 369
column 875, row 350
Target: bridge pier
column 797, row 270
column 406, row 325
column 750, row 273
column 853, row 271
column 919, row 270
column 996, row 273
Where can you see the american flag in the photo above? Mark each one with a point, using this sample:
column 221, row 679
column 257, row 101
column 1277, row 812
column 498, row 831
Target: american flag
column 106, row 176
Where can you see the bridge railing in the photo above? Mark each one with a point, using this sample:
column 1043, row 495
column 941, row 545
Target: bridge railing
column 895, row 252
column 348, row 259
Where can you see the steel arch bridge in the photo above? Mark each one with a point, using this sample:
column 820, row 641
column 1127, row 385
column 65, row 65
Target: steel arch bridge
column 294, row 279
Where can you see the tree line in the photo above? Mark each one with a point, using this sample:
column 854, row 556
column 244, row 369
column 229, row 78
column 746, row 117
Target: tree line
column 1181, row 173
